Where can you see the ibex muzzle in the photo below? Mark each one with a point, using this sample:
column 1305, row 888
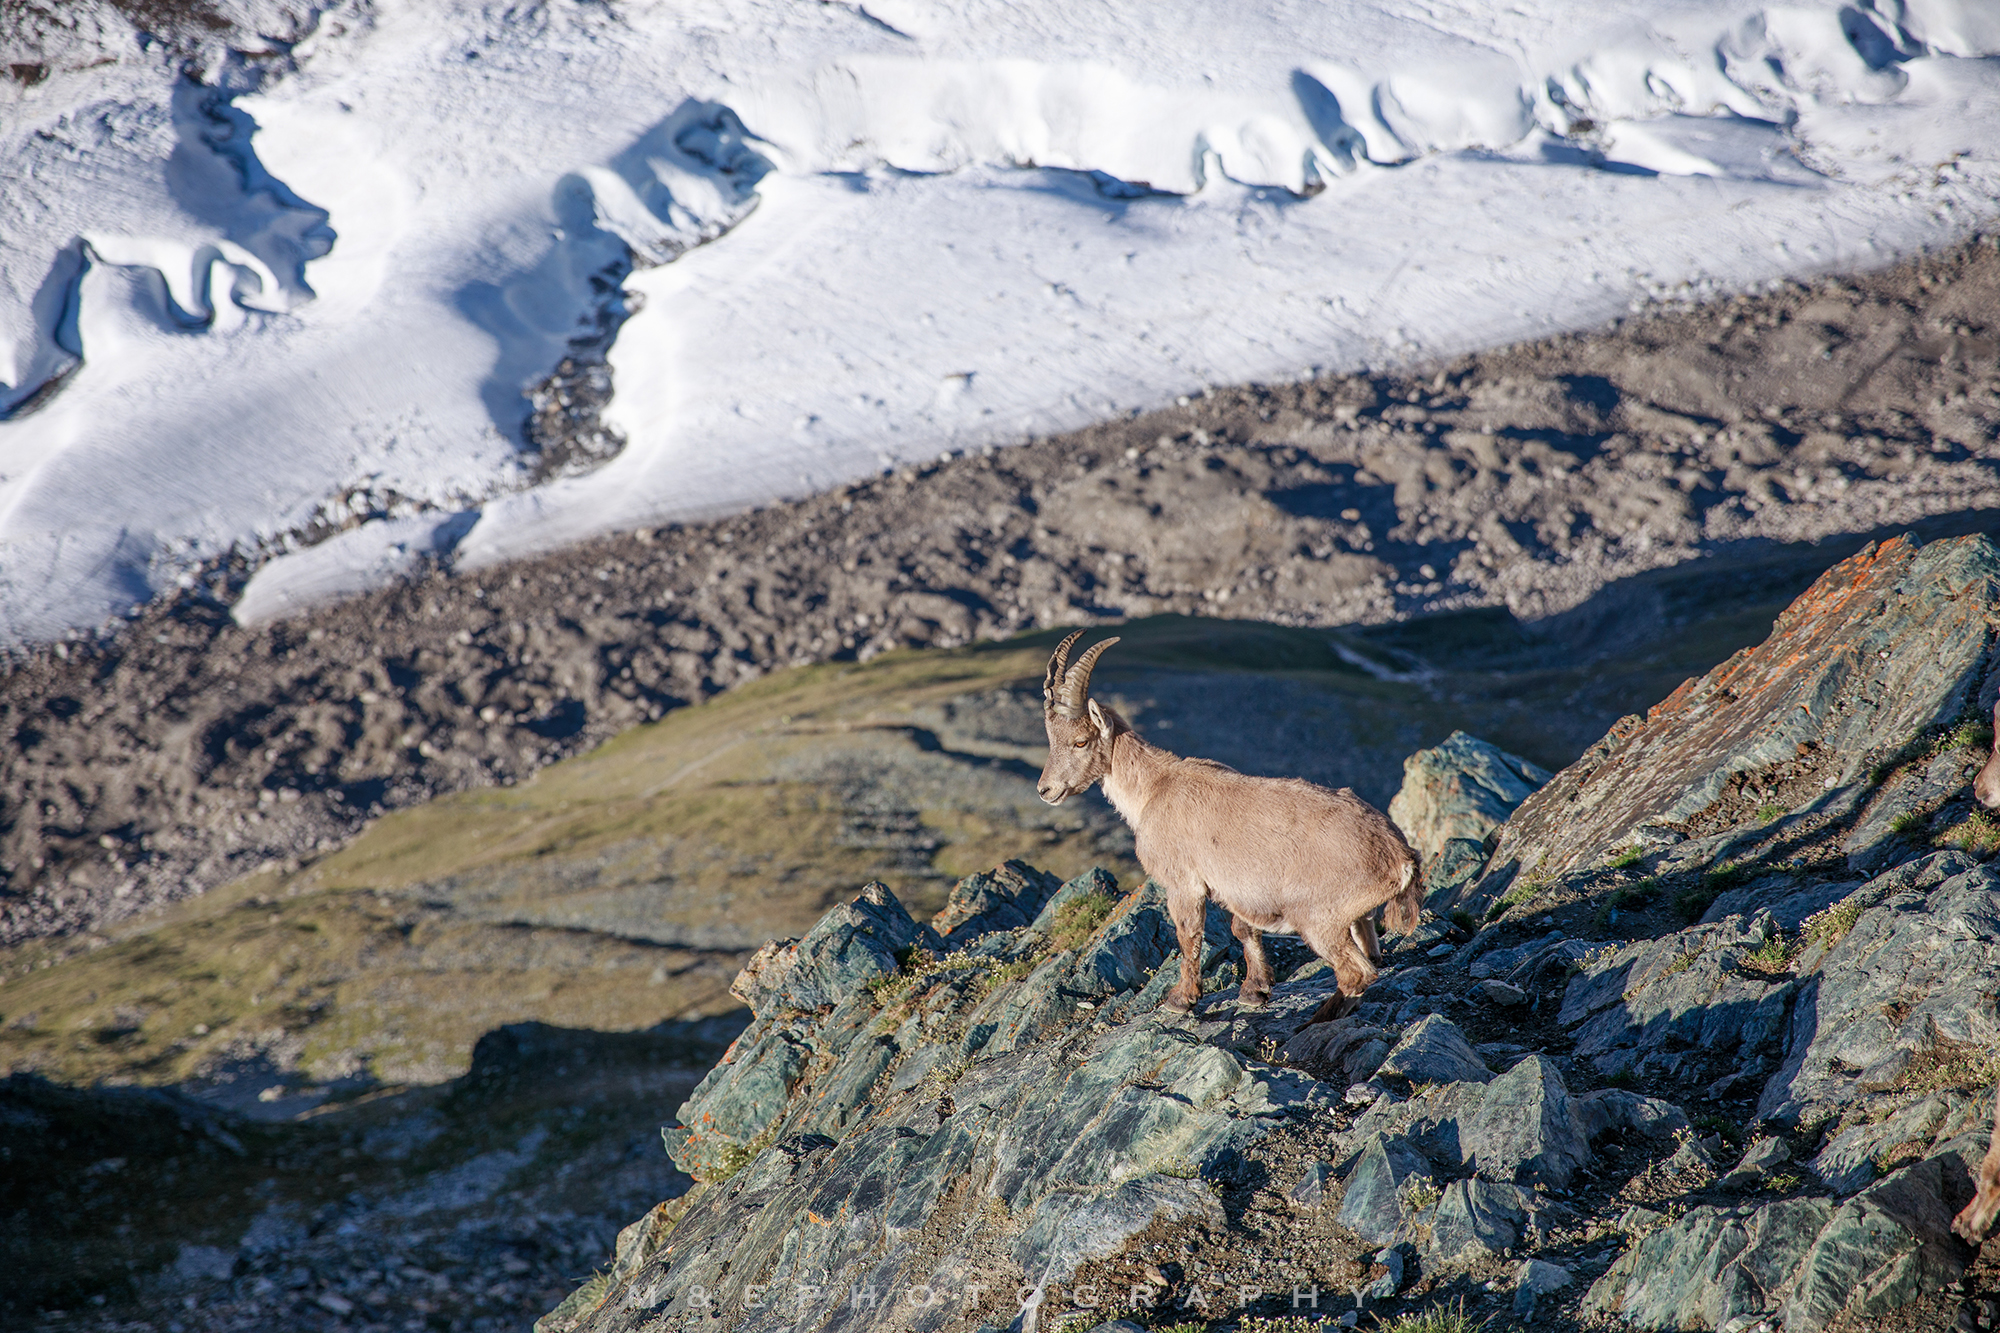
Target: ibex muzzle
column 1279, row 854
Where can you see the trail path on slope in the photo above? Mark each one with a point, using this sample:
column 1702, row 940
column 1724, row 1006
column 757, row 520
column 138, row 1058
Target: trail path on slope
column 1547, row 479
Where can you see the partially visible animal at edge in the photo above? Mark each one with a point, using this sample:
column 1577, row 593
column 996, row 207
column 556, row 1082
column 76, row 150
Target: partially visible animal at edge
column 1278, row 854
column 1976, row 1219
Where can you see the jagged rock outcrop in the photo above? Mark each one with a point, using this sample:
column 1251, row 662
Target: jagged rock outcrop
column 1733, row 1071
column 1461, row 788
column 1891, row 641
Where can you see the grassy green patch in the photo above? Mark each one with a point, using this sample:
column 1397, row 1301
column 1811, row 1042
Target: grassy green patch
column 1768, row 813
column 1625, row 898
column 1078, row 919
column 1973, row 734
column 1907, row 824
column 1437, row 1319
column 1774, row 955
column 1829, row 927
column 1978, row 834
column 1628, row 858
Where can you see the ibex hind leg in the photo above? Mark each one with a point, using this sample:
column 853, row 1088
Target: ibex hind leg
column 1255, row 992
column 1366, row 940
column 1351, row 969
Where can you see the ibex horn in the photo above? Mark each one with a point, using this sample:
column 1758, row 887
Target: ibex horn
column 1076, row 681
column 1052, row 682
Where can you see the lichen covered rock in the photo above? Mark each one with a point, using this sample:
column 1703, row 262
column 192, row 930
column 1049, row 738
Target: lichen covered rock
column 1887, row 643
column 1461, row 788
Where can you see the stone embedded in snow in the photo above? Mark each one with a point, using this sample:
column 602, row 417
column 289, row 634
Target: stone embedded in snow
column 1434, row 1051
column 1461, row 788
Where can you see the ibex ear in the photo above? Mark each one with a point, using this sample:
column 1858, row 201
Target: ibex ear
column 1098, row 720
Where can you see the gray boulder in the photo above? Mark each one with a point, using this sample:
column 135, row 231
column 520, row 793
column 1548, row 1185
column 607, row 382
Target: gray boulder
column 1375, row 1206
column 1461, row 788
column 1434, row 1051
column 1533, row 1280
column 1526, row 1130
column 1681, row 1007
column 1457, row 863
column 1006, row 897
column 1478, row 1219
column 1805, row 1262
column 1610, row 1109
column 1908, row 983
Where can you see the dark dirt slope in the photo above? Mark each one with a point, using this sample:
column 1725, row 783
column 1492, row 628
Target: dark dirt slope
column 181, row 750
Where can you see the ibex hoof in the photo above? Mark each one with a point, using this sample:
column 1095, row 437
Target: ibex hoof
column 1253, row 1003
column 1177, row 1005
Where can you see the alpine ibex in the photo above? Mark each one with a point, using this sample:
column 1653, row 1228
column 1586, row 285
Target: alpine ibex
column 1281, row 855
column 1977, row 1217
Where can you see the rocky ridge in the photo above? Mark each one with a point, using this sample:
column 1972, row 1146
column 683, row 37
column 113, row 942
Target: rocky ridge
column 180, row 749
column 1731, row 1080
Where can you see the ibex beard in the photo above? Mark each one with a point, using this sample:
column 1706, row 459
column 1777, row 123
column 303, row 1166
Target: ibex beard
column 1278, row 854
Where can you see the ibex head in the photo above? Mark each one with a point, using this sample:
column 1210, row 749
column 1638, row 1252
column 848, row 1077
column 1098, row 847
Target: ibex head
column 1986, row 787
column 1080, row 732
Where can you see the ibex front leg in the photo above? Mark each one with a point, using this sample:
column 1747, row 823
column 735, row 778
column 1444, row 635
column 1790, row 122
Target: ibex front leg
column 1189, row 911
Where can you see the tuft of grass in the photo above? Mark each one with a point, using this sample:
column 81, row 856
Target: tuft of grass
column 1465, row 920
column 1420, row 1193
column 739, row 1155
column 1978, row 834
column 892, row 988
column 1692, row 902
column 1829, row 927
column 1522, row 892
column 1906, row 824
column 1680, row 963
column 1773, row 955
column 1628, row 858
column 1438, row 1319
column 1782, row 1183
column 1950, row 1065
column 1623, row 1078
column 1975, row 734
column 1078, row 919
column 1768, row 813
column 1628, row 898
column 1730, row 1130
column 1180, row 1168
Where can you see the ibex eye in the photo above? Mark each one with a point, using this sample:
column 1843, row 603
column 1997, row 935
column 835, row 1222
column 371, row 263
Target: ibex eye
column 1085, row 741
